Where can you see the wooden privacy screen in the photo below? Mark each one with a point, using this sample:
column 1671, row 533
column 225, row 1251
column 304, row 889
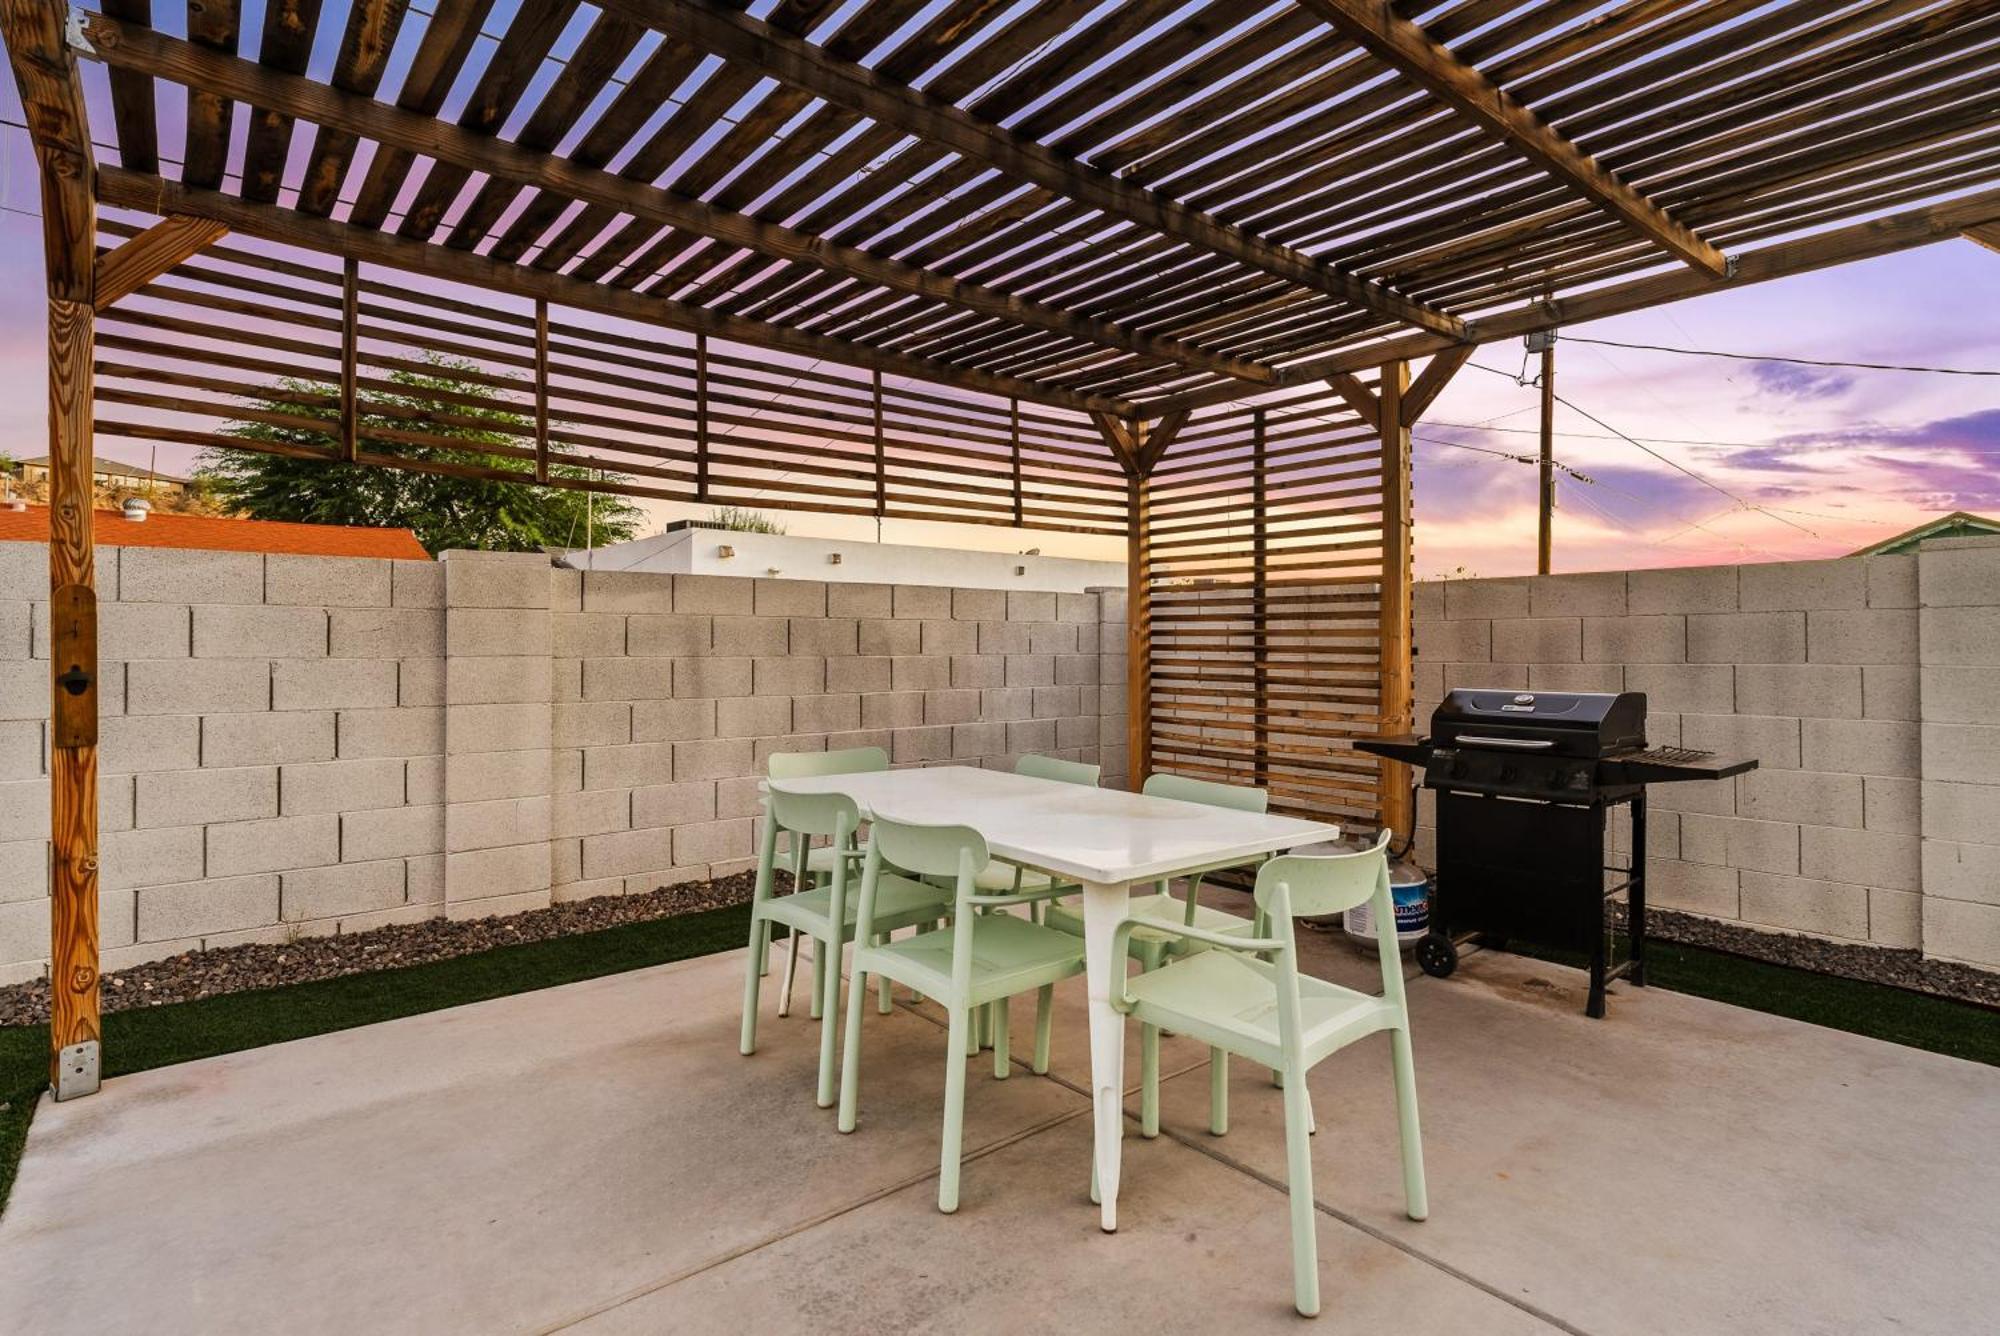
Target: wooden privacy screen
column 337, row 361
column 1262, row 564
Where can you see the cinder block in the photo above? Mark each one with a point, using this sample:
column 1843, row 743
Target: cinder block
column 419, row 682
column 1807, row 797
column 227, row 632
column 1077, row 733
column 416, row 584
column 497, row 824
column 713, row 758
column 1862, row 746
column 1873, row 635
column 715, row 595
column 739, row 797
column 1956, row 694
column 1031, row 670
column 189, row 575
column 713, row 841
column 1683, row 688
column 895, row 709
column 198, row 797
column 350, row 888
column 826, row 714
column 242, row 847
column 949, row 637
column 1962, row 753
column 1965, row 813
column 592, row 812
column 1870, row 857
column 1747, row 637
column 1456, row 642
column 1005, row 637
column 797, row 675
column 24, row 868
column 588, row 635
column 830, row 636
column 857, row 674
column 341, row 786
column 24, row 689
column 19, row 636
column 1892, row 805
column 703, row 678
column 1692, row 888
column 591, row 723
column 640, row 679
column 951, row 707
column 423, row 779
column 326, row 582
column 1960, row 637
column 1773, row 740
column 1960, row 871
column 267, row 739
column 480, row 632
column 1697, row 799
column 789, row 598
column 484, row 882
column 979, row 605
column 1758, row 846
column 1076, row 609
column 978, row 671
column 1953, row 576
column 140, row 742
column 218, row 904
column 1892, row 581
column 124, row 631
column 1558, row 677
column 385, row 633
column 21, row 749
column 1681, row 589
column 1963, row 931
column 167, row 686
column 1816, row 691
column 133, row 858
column 499, row 680
column 673, row 720
column 933, row 743
column 1600, row 594
column 391, row 832
column 565, row 590
column 903, row 637
column 859, row 600
column 494, row 728
column 1056, row 702
column 745, row 636
column 1538, row 640
column 1825, row 908
column 1111, row 604
column 1030, row 605
column 1051, row 638
column 1032, row 735
column 673, row 804
column 1796, row 586
column 1895, row 918
column 628, row 766
column 753, row 716
column 1072, row 670
column 1891, row 691
column 518, row 580
column 619, row 853
column 332, row 684
column 1485, row 600
column 628, row 591
column 970, row 741
column 403, row 731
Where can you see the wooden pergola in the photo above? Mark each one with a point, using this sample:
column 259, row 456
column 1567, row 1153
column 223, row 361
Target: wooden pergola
column 1152, row 268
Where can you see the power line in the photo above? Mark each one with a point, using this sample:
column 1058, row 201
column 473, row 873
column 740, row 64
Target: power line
column 1793, row 361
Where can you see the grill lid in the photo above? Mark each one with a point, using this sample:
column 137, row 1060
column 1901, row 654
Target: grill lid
column 1563, row 723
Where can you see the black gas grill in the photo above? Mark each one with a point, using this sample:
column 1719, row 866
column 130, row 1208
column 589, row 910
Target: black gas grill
column 1525, row 782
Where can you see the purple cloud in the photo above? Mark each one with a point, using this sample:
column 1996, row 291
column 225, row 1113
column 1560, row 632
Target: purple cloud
column 1790, row 381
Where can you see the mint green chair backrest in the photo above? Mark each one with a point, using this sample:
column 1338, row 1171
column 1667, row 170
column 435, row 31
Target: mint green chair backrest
column 929, row 851
column 1066, row 772
column 846, row 761
column 1238, row 797
column 1310, row 885
column 815, row 813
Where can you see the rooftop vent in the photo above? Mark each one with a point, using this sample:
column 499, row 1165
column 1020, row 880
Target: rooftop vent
column 136, row 509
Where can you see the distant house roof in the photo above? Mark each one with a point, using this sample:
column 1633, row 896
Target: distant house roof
column 115, row 468
column 1958, row 524
column 224, row 535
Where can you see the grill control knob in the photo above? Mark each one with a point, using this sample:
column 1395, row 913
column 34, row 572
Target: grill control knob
column 1507, row 772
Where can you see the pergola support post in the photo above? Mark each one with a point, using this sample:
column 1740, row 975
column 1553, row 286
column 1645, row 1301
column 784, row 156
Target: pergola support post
column 53, row 101
column 1398, row 683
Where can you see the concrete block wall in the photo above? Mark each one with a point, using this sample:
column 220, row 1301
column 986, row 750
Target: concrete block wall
column 297, row 745
column 1862, row 821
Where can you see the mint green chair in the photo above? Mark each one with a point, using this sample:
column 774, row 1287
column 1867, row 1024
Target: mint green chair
column 1264, row 1009
column 983, row 958
column 819, row 859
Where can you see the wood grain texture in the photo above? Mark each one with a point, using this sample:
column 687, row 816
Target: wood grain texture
column 1987, row 235
column 74, row 998
column 139, row 261
column 1396, row 643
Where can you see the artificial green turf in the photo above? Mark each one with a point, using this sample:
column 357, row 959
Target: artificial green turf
column 136, row 1041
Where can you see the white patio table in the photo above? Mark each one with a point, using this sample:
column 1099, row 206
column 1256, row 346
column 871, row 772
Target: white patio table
column 1108, row 841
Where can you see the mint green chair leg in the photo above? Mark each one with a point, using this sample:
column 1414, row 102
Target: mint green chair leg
column 850, row 1055
column 882, row 1004
column 813, row 1010
column 760, row 936
column 1416, row 1201
column 1045, row 1024
column 1218, row 1091
column 1149, row 1081
column 1298, row 1168
column 829, row 1025
column 954, row 1111
column 1003, row 1051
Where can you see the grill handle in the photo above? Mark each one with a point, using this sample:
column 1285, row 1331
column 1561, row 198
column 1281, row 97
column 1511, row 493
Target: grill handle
column 1519, row 744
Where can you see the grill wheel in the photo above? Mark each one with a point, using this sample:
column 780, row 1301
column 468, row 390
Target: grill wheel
column 1437, row 956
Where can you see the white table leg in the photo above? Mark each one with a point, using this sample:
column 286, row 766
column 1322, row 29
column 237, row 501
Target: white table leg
column 1103, row 907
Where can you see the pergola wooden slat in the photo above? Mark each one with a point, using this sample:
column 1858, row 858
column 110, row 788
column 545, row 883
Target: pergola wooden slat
column 1159, row 271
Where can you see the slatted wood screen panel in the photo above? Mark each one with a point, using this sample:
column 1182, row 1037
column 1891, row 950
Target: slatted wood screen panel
column 1263, row 560
column 253, row 347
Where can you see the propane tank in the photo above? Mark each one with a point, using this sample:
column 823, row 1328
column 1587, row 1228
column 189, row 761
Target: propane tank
column 1410, row 893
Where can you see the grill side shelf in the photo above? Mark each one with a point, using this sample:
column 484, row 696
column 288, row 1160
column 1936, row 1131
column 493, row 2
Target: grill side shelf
column 1642, row 770
column 1409, row 749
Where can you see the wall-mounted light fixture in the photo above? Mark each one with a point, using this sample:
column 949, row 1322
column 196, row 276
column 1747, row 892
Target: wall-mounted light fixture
column 833, row 558
column 725, row 551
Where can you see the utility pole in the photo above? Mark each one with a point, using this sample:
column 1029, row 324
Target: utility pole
column 1545, row 341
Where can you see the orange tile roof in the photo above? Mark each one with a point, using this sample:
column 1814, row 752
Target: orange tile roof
column 224, row 535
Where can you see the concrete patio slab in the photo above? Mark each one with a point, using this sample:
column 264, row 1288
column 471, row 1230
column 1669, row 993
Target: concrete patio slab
column 600, row 1153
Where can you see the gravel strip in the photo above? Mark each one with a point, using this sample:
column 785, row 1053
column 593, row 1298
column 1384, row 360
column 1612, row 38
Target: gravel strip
column 236, row 969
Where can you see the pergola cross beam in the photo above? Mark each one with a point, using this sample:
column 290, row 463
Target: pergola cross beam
column 727, row 32
column 1986, row 234
column 1407, row 48
column 139, row 261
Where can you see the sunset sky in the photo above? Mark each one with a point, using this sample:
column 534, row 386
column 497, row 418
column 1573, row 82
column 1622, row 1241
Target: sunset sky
column 1794, row 461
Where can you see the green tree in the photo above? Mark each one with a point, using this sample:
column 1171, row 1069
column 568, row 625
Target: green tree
column 741, row 519
column 446, row 511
